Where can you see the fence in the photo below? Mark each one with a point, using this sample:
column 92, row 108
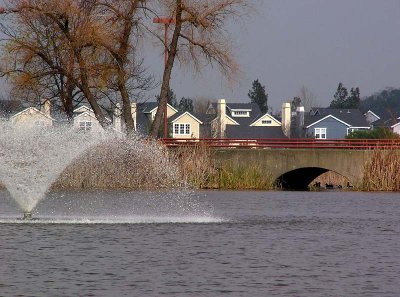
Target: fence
column 273, row 143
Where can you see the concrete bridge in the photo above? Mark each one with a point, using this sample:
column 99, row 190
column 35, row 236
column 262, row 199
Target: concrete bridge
column 297, row 168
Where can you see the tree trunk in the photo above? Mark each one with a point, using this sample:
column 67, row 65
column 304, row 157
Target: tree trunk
column 162, row 104
column 88, row 94
column 126, row 104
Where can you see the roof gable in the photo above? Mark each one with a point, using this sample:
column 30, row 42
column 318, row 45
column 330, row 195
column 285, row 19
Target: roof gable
column 83, row 108
column 91, row 115
column 179, row 115
column 155, row 107
column 326, row 117
column 31, row 110
column 263, row 117
column 374, row 114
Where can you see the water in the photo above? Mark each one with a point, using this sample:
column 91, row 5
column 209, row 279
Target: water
column 228, row 244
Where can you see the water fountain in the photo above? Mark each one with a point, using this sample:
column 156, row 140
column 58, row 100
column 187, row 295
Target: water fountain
column 32, row 159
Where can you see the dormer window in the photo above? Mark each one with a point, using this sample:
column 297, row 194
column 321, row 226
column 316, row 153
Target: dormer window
column 266, row 122
column 240, row 113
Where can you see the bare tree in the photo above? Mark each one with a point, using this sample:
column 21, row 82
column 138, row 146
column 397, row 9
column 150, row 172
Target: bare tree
column 201, row 104
column 124, row 16
column 307, row 97
column 77, row 47
column 199, row 38
column 53, row 42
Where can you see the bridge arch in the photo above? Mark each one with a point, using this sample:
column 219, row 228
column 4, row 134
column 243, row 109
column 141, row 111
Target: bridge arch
column 300, row 178
column 296, row 168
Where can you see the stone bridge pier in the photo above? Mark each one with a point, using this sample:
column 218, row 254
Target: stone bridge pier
column 297, row 168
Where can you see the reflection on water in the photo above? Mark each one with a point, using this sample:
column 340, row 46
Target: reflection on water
column 253, row 244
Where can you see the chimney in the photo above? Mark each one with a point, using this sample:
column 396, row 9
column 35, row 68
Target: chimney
column 47, row 107
column 300, row 120
column 117, row 118
column 134, row 114
column 286, row 114
column 221, row 113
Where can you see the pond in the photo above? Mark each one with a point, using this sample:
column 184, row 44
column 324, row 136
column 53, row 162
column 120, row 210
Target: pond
column 214, row 243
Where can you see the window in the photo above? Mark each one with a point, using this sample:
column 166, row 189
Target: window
column 182, row 129
column 266, row 122
column 320, row 133
column 240, row 113
column 85, row 126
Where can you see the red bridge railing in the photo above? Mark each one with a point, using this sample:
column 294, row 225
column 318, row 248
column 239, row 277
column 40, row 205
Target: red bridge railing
column 273, row 143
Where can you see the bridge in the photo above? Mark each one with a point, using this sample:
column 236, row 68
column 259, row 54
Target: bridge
column 294, row 164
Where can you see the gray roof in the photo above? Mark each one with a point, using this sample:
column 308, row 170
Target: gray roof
column 385, row 122
column 146, row 106
column 352, row 117
column 254, row 113
column 244, row 121
column 247, row 132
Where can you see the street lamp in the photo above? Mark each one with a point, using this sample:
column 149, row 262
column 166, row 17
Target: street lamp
column 166, row 21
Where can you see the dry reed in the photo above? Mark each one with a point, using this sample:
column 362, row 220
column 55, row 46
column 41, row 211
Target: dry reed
column 121, row 165
column 197, row 164
column 382, row 171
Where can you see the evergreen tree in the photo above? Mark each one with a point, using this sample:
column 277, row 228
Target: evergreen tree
column 185, row 104
column 171, row 98
column 257, row 95
column 353, row 101
column 343, row 100
column 340, row 96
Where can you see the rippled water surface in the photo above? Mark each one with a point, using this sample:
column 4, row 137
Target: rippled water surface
column 229, row 244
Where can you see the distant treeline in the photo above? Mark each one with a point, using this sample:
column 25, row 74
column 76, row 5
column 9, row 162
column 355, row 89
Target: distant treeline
column 385, row 102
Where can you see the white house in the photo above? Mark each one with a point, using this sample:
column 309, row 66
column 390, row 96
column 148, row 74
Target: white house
column 32, row 116
column 86, row 121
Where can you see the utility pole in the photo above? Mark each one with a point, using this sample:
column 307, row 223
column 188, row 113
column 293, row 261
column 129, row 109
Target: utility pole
column 166, row 21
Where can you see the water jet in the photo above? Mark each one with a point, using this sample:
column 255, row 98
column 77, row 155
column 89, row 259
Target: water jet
column 27, row 215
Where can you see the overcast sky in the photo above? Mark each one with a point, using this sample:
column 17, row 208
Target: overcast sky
column 316, row 43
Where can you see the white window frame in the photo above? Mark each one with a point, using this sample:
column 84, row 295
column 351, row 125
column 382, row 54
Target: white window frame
column 240, row 113
column 182, row 129
column 85, row 126
column 320, row 132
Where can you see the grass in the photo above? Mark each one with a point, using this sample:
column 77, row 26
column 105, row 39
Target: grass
column 244, row 178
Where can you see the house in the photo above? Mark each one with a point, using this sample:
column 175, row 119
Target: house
column 241, row 120
column 330, row 123
column 185, row 125
column 144, row 113
column 371, row 117
column 32, row 116
column 388, row 119
column 86, row 121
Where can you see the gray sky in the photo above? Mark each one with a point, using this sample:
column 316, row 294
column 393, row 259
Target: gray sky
column 316, row 43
